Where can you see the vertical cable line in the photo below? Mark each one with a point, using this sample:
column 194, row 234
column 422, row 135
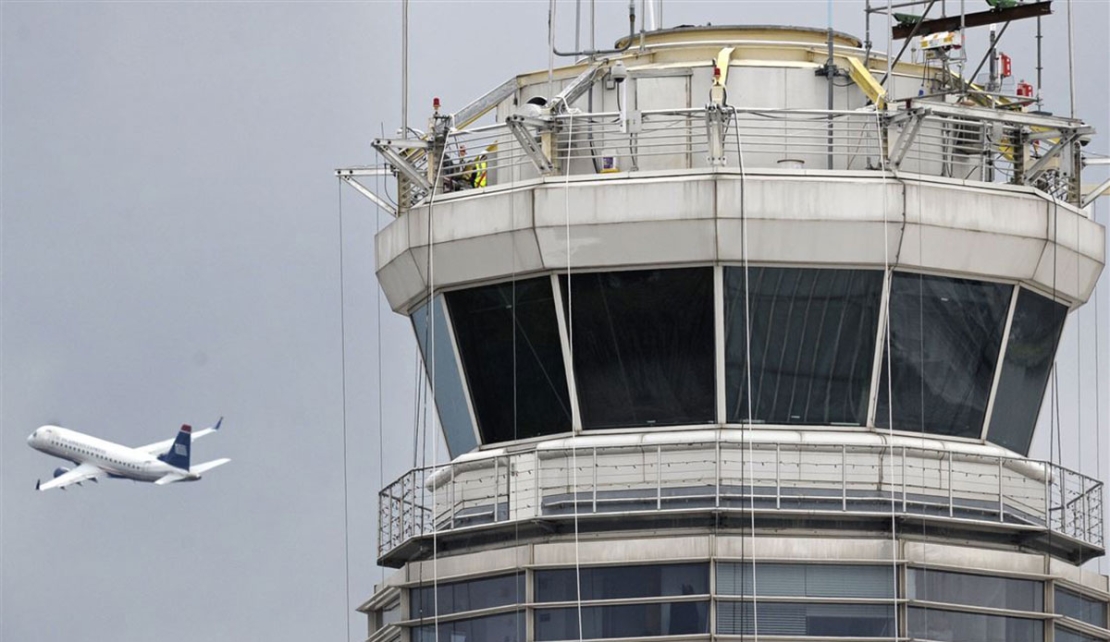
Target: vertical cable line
column 2, row 275
column 1078, row 361
column 1055, row 448
column 750, row 465
column 1098, row 399
column 343, row 386
column 519, row 576
column 379, row 179
column 430, row 398
column 888, row 277
column 570, row 345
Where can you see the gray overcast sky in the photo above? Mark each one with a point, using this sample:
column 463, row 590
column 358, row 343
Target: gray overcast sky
column 170, row 253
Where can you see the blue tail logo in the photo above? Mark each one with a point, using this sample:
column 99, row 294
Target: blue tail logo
column 178, row 454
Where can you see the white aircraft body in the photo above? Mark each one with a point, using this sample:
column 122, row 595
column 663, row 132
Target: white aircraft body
column 164, row 462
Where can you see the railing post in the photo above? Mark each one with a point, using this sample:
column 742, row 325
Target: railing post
column 496, row 487
column 538, row 510
column 454, row 499
column 778, row 475
column 1001, row 496
column 659, row 477
column 1063, row 501
column 1047, row 493
column 717, row 494
column 508, row 487
column 1087, row 506
column 383, row 528
column 594, row 509
column 903, row 479
column 951, row 506
column 843, row 477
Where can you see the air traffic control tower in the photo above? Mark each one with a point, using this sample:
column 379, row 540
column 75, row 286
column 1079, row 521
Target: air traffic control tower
column 732, row 338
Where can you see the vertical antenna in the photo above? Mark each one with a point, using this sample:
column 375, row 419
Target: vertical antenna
column 404, row 69
column 1071, row 60
column 593, row 24
column 1040, row 66
column 550, row 49
column 578, row 25
column 992, row 68
column 889, row 42
column 867, row 32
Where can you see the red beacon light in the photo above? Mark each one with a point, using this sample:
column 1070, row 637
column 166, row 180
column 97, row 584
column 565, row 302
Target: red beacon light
column 1025, row 93
column 435, row 104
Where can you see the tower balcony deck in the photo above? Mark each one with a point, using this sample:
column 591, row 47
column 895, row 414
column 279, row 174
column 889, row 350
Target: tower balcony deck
column 985, row 192
column 785, row 479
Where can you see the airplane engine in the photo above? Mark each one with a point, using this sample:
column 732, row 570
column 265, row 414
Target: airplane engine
column 58, row 472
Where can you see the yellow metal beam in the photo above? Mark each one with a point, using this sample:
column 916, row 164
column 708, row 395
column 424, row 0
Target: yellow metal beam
column 723, row 58
column 862, row 76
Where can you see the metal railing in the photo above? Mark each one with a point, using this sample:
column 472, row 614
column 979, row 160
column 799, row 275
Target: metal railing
column 811, row 479
column 930, row 139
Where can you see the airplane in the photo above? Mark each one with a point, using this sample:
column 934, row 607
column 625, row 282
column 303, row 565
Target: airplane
column 164, row 462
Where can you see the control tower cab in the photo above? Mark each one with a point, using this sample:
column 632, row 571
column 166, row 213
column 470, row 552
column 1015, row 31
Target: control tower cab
column 729, row 336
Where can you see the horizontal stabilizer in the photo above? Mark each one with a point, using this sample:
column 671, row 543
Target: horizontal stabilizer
column 169, row 479
column 208, row 465
column 159, row 447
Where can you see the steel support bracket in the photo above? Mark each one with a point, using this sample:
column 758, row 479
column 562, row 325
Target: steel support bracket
column 1039, row 167
column 350, row 177
column 390, row 149
column 1103, row 189
column 518, row 125
column 580, row 85
column 482, row 105
column 716, row 117
column 914, row 118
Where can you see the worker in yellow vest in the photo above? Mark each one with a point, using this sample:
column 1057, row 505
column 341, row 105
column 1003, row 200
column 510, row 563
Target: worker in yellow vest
column 478, row 174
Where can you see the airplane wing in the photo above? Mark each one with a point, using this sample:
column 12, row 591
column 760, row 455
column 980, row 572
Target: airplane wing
column 84, row 472
column 159, row 447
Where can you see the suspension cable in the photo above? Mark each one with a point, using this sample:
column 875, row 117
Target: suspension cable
column 343, row 387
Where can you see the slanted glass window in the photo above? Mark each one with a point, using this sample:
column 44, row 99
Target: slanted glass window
column 1034, row 334
column 509, row 343
column 810, row 619
column 507, row 627
column 1080, row 607
column 454, row 414
column 622, row 582
column 976, row 590
column 812, row 344
column 805, row 580
column 623, row 621
column 945, row 335
column 468, row 595
column 643, row 346
column 953, row 626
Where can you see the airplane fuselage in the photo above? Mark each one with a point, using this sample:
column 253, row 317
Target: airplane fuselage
column 114, row 459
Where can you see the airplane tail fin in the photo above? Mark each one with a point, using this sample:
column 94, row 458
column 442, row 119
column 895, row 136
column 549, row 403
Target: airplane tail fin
column 178, row 454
